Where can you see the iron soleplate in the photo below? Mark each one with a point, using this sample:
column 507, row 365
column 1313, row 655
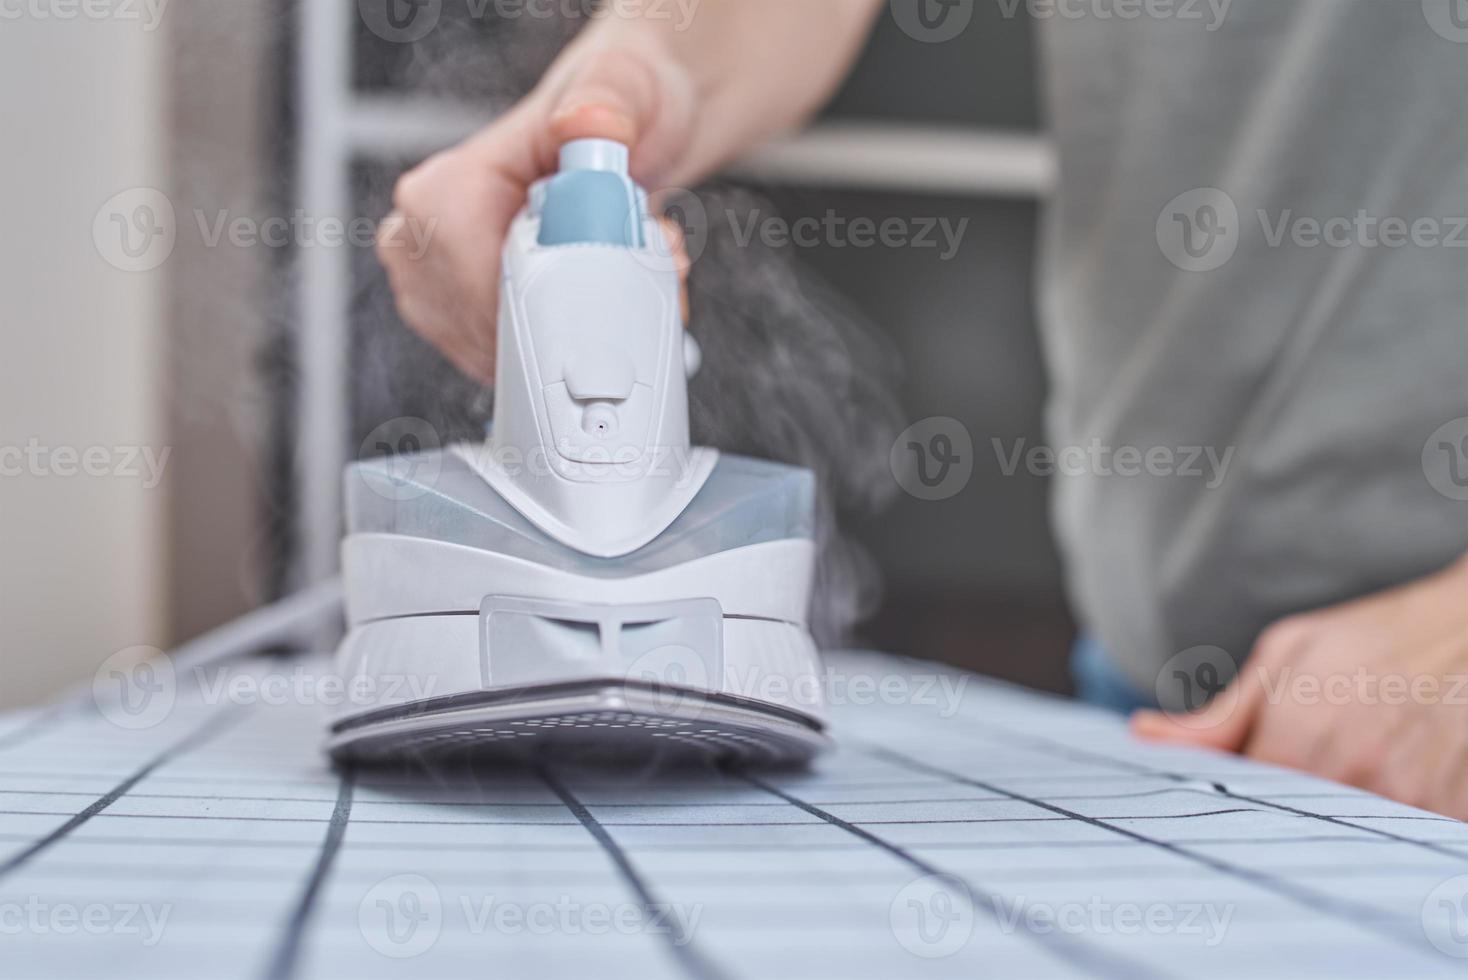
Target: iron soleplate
column 606, row 722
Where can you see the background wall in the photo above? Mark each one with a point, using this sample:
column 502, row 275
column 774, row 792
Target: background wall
column 82, row 558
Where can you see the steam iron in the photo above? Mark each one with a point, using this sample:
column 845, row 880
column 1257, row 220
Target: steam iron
column 585, row 582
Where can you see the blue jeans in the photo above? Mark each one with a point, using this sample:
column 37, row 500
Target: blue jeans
column 1098, row 681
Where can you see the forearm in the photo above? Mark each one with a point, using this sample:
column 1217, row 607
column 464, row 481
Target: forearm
column 759, row 67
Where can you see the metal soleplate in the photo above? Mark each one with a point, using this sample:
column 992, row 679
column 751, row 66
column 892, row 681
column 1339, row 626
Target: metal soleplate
column 602, row 722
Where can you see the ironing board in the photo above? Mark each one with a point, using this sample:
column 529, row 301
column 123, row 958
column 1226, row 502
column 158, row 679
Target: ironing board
column 963, row 828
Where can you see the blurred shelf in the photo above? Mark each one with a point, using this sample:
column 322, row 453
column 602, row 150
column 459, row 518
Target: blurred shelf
column 953, row 160
column 407, row 126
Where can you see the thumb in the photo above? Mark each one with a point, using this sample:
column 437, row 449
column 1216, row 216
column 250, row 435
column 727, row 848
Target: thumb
column 1224, row 724
column 612, row 94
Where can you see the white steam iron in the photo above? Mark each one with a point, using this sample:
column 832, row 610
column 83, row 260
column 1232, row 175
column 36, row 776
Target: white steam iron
column 585, row 582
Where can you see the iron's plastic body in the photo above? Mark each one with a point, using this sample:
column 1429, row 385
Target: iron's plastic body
column 585, row 579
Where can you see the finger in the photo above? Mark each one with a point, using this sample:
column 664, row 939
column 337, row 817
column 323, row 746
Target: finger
column 613, row 95
column 1230, row 719
column 1224, row 724
column 1291, row 736
column 467, row 352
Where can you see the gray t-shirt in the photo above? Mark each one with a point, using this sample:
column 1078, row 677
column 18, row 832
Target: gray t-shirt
column 1259, row 251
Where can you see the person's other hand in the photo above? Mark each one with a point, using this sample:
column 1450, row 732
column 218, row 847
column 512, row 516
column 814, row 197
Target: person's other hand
column 1373, row 693
column 464, row 199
